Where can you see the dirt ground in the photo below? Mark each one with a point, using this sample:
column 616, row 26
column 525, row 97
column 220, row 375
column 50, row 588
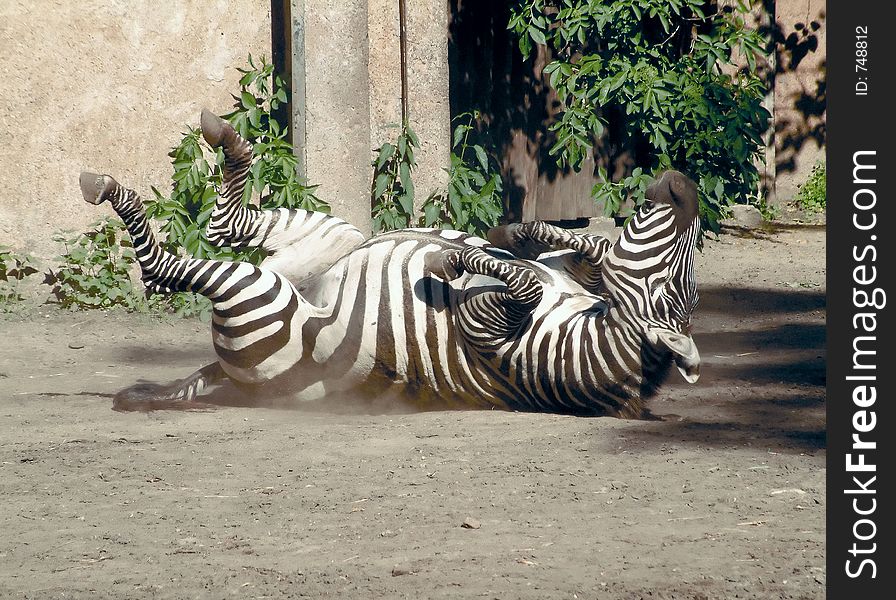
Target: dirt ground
column 724, row 498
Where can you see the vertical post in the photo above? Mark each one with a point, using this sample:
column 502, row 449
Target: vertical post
column 297, row 82
column 281, row 56
column 331, row 40
column 771, row 156
column 426, row 91
column 403, row 58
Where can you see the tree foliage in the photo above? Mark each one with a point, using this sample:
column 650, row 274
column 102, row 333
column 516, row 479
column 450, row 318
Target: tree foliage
column 666, row 71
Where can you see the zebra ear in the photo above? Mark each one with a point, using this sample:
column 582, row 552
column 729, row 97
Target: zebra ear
column 682, row 346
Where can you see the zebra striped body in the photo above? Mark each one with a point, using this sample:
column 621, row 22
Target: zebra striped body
column 537, row 319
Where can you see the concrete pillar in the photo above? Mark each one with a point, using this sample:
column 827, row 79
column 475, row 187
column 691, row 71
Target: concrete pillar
column 428, row 107
column 384, row 71
column 336, row 143
column 347, row 94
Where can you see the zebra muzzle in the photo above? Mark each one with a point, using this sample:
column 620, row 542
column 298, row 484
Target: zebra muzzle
column 683, row 349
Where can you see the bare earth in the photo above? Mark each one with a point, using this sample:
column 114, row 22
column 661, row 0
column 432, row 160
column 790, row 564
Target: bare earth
column 724, row 498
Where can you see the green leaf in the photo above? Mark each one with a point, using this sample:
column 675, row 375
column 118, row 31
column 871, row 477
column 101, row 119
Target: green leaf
column 459, row 133
column 431, row 214
column 386, row 152
column 382, row 182
column 482, row 157
column 406, row 182
column 537, row 36
column 412, row 137
column 406, row 200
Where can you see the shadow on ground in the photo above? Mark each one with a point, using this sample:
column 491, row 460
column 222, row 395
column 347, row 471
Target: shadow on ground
column 762, row 374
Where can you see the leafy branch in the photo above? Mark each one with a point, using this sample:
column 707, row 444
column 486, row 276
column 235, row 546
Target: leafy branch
column 472, row 201
column 666, row 71
column 392, row 192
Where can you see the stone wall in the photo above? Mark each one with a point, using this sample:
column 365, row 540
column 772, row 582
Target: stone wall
column 109, row 86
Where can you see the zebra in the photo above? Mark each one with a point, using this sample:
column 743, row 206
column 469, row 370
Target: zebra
column 534, row 318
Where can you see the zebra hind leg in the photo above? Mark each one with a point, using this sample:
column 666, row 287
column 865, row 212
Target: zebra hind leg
column 230, row 223
column 257, row 310
column 179, row 395
column 530, row 240
column 299, row 243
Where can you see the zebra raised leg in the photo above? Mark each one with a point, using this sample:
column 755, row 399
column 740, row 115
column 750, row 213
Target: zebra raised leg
column 257, row 313
column 530, row 240
column 489, row 317
column 299, row 242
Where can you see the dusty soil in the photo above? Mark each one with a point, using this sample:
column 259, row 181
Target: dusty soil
column 724, row 498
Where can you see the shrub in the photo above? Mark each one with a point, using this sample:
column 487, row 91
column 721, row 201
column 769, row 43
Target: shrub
column 274, row 174
column 812, row 196
column 95, row 270
column 96, row 264
column 472, row 201
column 14, row 268
column 392, row 192
column 665, row 72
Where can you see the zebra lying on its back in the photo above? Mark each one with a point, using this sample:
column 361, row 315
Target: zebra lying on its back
column 537, row 318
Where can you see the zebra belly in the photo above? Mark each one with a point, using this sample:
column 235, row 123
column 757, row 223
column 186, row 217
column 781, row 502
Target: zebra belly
column 385, row 325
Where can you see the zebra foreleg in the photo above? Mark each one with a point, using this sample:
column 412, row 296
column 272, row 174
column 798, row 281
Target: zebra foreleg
column 529, row 240
column 299, row 242
column 489, row 316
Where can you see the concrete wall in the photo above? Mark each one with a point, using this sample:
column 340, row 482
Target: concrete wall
column 799, row 92
column 110, row 85
column 107, row 85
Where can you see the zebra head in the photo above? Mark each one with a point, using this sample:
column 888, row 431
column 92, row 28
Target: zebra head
column 649, row 272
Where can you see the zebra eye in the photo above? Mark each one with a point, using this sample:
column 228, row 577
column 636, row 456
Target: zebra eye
column 646, row 206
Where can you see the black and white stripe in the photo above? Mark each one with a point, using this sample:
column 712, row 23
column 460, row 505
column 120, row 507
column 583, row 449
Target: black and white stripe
column 538, row 318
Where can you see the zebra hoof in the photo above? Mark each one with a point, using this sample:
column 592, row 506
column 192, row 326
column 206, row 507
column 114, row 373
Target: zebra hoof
column 148, row 397
column 506, row 237
column 511, row 237
column 214, row 128
column 445, row 265
column 95, row 188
